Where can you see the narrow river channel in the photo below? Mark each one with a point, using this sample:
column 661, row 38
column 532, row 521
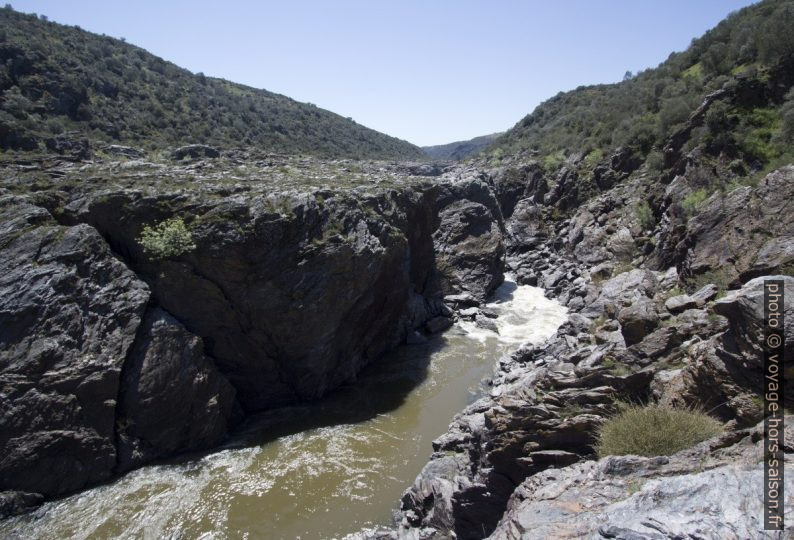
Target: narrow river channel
column 316, row 471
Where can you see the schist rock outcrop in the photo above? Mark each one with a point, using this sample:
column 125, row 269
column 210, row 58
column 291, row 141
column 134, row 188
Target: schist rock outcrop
column 112, row 357
column 513, row 463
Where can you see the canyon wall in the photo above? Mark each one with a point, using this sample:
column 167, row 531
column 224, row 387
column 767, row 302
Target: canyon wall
column 112, row 358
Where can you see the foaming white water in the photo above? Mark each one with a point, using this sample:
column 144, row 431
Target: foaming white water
column 525, row 315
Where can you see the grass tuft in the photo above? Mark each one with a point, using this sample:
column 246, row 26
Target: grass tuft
column 654, row 430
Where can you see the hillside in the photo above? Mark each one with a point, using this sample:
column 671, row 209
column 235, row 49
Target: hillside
column 56, row 79
column 749, row 54
column 460, row 149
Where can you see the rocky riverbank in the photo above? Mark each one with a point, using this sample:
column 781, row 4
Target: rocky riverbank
column 519, row 463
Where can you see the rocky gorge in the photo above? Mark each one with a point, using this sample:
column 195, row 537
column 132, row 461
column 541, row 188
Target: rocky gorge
column 226, row 313
column 284, row 295
column 521, row 461
column 120, row 336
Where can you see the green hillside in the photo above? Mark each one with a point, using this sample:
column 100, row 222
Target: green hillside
column 56, row 78
column 750, row 54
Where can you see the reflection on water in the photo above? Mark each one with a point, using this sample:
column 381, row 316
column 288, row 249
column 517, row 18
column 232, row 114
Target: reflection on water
column 317, row 471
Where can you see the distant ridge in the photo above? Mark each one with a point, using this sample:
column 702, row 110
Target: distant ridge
column 460, row 149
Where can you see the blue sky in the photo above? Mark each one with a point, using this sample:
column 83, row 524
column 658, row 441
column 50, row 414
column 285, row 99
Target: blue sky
column 430, row 72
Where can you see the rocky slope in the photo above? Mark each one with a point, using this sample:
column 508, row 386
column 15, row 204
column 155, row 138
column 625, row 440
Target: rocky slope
column 286, row 289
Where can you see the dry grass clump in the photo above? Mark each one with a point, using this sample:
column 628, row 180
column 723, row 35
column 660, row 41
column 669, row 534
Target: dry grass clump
column 654, row 430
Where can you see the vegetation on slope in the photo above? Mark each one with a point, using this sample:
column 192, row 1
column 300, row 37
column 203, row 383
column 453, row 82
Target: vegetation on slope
column 750, row 52
column 56, row 78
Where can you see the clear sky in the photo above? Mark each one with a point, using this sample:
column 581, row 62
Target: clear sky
column 428, row 71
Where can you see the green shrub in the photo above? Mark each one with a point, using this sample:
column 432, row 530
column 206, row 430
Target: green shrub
column 655, row 161
column 787, row 118
column 654, row 430
column 169, row 238
column 593, row 157
column 722, row 277
column 496, row 157
column 692, row 201
column 552, row 162
column 644, row 215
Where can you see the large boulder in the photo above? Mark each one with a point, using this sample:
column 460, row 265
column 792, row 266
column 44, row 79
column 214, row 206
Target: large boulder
column 637, row 320
column 713, row 489
column 172, row 396
column 526, row 229
column 745, row 233
column 623, row 289
column 744, row 309
column 69, row 312
column 469, row 249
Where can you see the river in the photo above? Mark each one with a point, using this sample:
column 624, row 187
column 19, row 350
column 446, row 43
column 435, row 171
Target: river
column 316, row 471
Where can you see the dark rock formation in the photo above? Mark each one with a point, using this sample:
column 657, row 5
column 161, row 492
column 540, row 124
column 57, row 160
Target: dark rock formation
column 69, row 145
column 111, row 359
column 172, row 396
column 13, row 503
column 291, row 296
column 69, row 311
column 672, row 148
column 512, row 184
column 195, row 151
column 744, row 309
column 469, row 249
column 527, row 229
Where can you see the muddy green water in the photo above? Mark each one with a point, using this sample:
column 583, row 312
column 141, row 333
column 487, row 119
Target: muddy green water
column 312, row 472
